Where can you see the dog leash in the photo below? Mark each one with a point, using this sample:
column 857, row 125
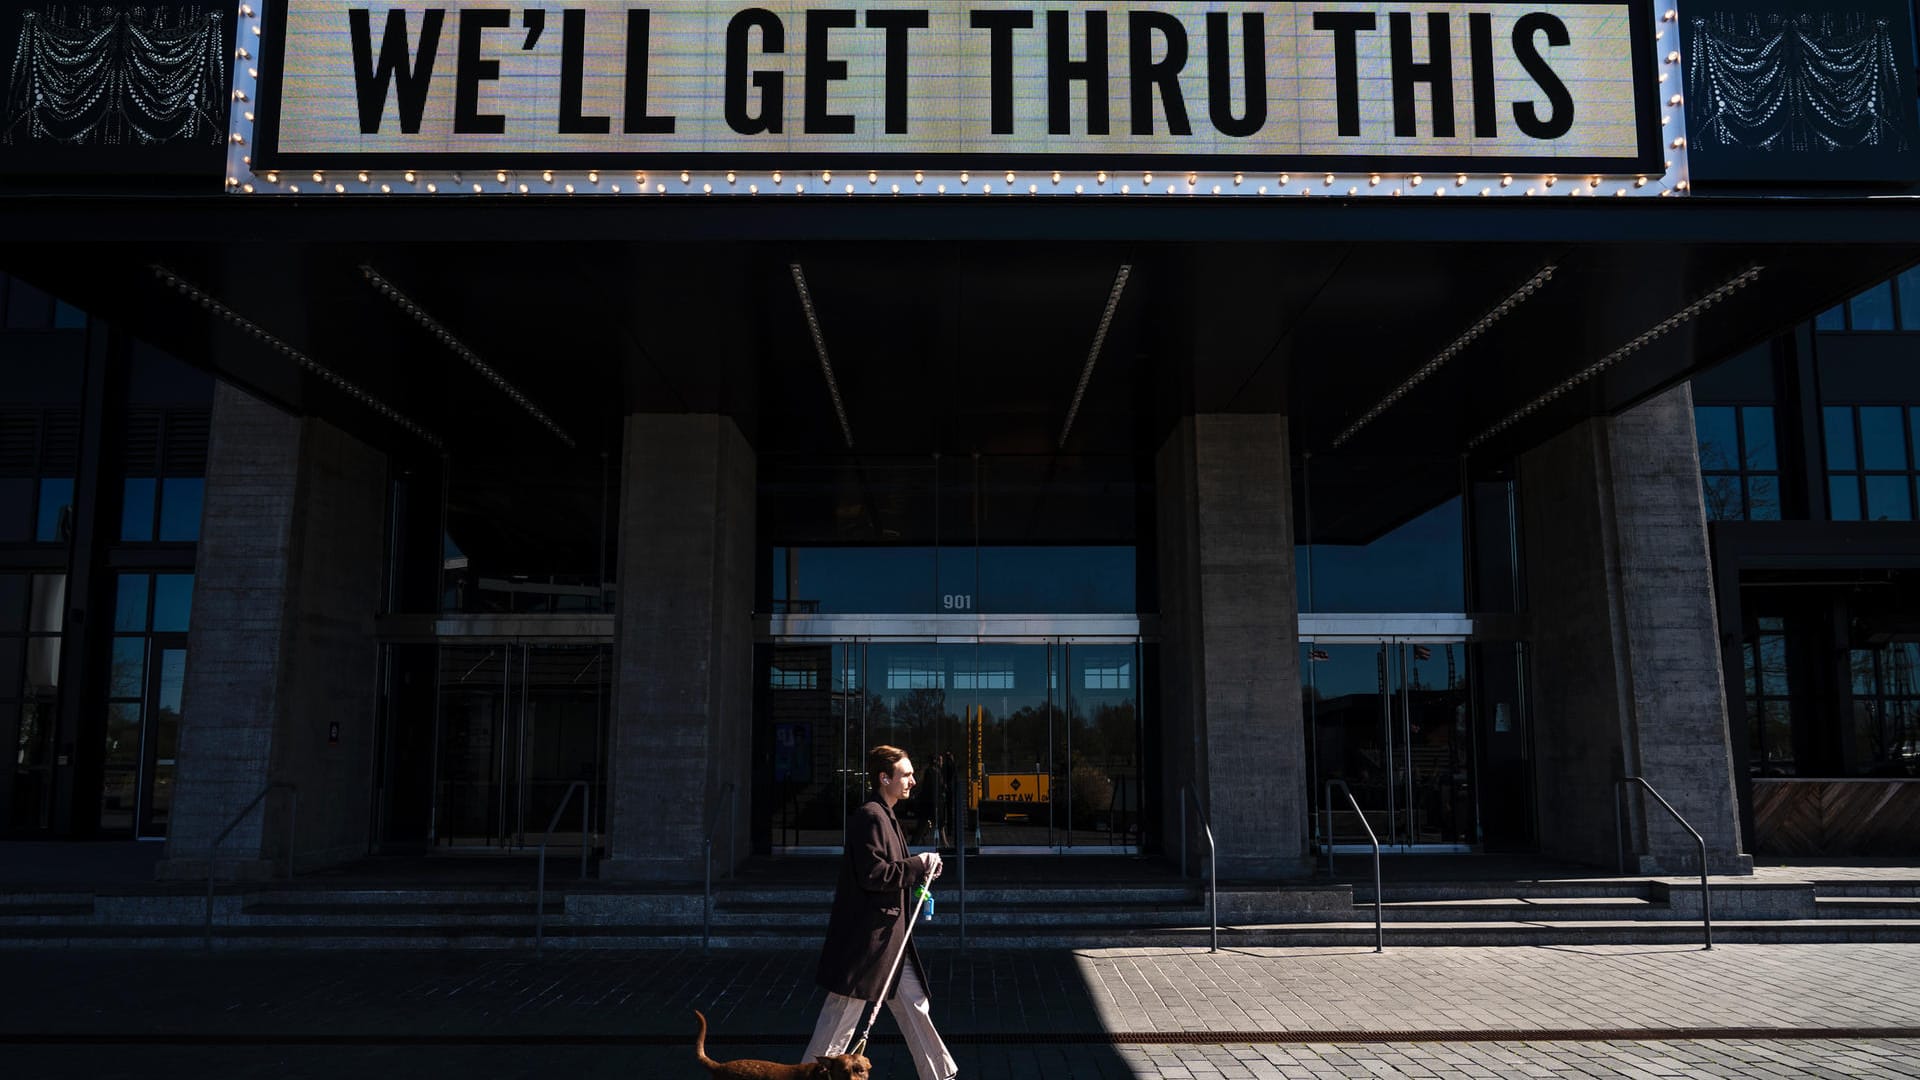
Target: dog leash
column 874, row 1015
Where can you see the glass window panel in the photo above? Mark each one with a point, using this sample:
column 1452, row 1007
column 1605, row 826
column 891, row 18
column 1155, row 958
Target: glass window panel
column 1763, row 497
column 46, row 610
column 119, row 791
column 43, row 668
column 173, row 678
column 874, row 580
column 160, row 810
column 915, row 673
column 1752, row 668
column 1022, row 579
column 1722, row 497
column 1899, row 664
column 172, row 602
column 16, row 508
column 1778, row 738
column 128, row 676
column 1756, row 745
column 1866, row 733
column 1873, row 309
column 1834, row 318
column 1860, row 661
column 13, row 602
column 1719, row 440
column 36, row 735
column 1883, row 439
column 27, row 307
column 1910, row 299
column 1773, row 665
column 68, row 317
column 13, row 653
column 54, row 521
column 180, row 498
column 1756, row 434
column 136, row 508
column 1837, row 420
column 1416, row 567
column 1889, row 498
column 1843, row 496
column 130, row 603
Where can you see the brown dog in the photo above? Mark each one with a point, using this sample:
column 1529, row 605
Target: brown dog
column 831, row 1067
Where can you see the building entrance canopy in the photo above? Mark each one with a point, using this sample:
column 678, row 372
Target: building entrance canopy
column 493, row 329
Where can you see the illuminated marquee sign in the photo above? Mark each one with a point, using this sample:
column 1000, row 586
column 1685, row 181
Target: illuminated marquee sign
column 950, row 86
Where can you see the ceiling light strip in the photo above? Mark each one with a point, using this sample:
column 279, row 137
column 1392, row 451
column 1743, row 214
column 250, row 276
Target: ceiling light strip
column 248, row 326
column 459, row 348
column 820, row 349
column 1485, row 323
column 1645, row 338
column 1093, row 352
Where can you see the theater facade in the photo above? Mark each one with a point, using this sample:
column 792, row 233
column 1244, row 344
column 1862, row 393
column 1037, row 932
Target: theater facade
column 426, row 423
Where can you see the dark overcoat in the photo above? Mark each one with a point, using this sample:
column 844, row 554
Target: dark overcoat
column 871, row 906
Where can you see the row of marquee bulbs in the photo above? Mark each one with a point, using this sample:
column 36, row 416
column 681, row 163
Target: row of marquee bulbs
column 510, row 182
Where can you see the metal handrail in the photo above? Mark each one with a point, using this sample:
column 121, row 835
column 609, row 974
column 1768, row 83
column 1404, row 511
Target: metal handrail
column 1326, row 816
column 213, row 849
column 1619, row 830
column 706, row 907
column 1213, row 862
column 540, row 871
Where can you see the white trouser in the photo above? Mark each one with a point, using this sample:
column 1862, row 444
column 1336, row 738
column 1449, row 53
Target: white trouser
column 841, row 1017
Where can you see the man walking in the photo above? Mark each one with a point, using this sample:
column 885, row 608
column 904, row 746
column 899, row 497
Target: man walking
column 870, row 923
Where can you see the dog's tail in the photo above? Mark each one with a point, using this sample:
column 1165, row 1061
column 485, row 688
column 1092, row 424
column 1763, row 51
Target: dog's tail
column 700, row 1043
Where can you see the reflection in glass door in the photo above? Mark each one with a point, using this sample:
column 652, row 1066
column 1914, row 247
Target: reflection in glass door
column 1393, row 720
column 1018, row 746
column 519, row 724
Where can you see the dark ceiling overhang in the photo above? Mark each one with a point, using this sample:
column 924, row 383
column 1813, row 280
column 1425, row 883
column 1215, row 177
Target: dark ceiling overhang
column 964, row 325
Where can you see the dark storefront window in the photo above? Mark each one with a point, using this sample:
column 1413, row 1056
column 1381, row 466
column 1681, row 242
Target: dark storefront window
column 1417, row 566
column 151, row 614
column 530, row 533
column 165, row 482
column 1739, row 470
column 39, row 451
column 1769, row 701
column 1884, row 738
column 1890, row 305
column 1870, row 455
column 985, row 535
column 30, row 624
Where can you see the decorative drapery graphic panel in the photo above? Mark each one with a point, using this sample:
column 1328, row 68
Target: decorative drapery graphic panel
column 100, row 74
column 1794, row 93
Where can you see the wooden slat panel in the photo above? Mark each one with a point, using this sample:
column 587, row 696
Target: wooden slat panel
column 1836, row 817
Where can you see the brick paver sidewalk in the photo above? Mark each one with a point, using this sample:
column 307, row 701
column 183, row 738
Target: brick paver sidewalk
column 1033, row 1014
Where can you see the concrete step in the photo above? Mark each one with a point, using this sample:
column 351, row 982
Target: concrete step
column 1868, row 907
column 1114, row 915
column 1177, row 895
column 1410, row 891
column 1836, row 889
column 1517, row 909
column 1337, row 935
column 424, row 909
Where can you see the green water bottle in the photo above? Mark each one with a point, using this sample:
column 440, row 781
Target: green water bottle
column 925, row 897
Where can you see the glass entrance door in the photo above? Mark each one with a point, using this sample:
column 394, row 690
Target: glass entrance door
column 1019, row 746
column 519, row 724
column 1394, row 720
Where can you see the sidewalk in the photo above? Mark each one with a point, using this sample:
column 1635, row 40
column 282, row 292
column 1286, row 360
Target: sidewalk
column 1739, row 1010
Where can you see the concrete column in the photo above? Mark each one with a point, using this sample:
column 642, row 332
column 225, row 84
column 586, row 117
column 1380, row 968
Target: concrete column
column 1230, row 691
column 1626, row 664
column 287, row 583
column 683, row 700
